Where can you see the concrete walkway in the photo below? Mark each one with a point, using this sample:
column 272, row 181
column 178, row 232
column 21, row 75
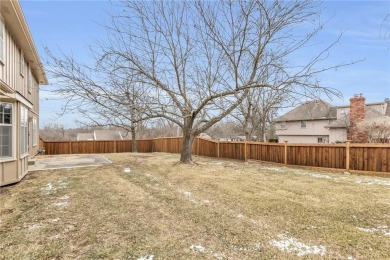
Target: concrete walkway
column 71, row 161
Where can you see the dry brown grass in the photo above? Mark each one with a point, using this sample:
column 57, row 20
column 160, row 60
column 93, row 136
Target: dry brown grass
column 218, row 209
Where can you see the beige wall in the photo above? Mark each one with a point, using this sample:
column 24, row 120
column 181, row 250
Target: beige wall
column 337, row 135
column 314, row 127
column 302, row 139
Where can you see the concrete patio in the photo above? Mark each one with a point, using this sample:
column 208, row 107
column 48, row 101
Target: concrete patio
column 71, row 161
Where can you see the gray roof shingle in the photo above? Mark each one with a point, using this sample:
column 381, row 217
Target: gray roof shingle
column 311, row 110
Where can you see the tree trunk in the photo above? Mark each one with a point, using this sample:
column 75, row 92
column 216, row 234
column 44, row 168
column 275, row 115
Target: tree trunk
column 133, row 140
column 188, row 141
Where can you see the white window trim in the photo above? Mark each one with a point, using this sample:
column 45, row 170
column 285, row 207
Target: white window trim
column 13, row 129
column 23, row 107
column 34, row 132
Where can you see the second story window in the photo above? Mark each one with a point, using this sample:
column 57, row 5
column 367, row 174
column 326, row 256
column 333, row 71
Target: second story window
column 283, row 125
column 303, row 124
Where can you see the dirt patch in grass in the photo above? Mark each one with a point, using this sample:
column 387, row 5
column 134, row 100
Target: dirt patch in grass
column 215, row 209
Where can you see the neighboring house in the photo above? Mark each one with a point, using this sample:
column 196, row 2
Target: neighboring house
column 21, row 72
column 319, row 122
column 99, row 135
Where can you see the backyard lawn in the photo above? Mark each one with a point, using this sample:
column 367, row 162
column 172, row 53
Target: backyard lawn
column 147, row 206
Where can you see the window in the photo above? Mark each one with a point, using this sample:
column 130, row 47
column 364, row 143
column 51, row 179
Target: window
column 34, row 132
column 23, row 130
column 283, row 125
column 320, row 140
column 303, row 124
column 5, row 130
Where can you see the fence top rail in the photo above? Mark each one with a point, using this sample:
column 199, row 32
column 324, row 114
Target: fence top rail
column 263, row 143
column 370, row 145
column 317, row 145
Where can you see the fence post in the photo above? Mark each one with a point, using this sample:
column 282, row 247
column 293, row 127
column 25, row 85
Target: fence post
column 114, row 146
column 70, row 147
column 285, row 152
column 197, row 144
column 347, row 153
column 218, row 149
column 245, row 150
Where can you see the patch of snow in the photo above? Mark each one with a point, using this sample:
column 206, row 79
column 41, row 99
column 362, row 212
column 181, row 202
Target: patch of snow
column 372, row 181
column 240, row 216
column 66, row 197
column 55, row 220
column 218, row 163
column 61, row 204
column 219, row 256
column 272, row 169
column 56, row 236
column 34, row 226
column 198, row 248
column 320, row 176
column 126, row 170
column 292, row 245
column 350, row 258
column 187, row 194
column 206, row 201
column 148, row 257
column 384, row 230
column 49, row 188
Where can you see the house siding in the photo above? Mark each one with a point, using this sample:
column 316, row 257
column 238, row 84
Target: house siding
column 312, row 126
column 18, row 93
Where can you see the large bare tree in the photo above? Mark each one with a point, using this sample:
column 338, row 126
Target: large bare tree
column 201, row 59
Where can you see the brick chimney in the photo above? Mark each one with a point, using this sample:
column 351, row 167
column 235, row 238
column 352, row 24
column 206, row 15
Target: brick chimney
column 357, row 113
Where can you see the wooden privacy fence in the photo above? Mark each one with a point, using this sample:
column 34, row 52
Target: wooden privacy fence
column 348, row 156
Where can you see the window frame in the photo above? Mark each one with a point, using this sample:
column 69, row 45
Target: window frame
column 11, row 125
column 303, row 124
column 24, row 142
column 322, row 140
column 34, row 132
column 283, row 125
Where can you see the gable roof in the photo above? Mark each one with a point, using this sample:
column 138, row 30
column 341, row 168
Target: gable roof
column 310, row 110
column 371, row 114
column 107, row 135
column 85, row 136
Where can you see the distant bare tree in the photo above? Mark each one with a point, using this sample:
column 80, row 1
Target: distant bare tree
column 377, row 130
column 258, row 110
column 102, row 95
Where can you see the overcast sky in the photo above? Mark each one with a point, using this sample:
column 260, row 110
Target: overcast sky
column 73, row 25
